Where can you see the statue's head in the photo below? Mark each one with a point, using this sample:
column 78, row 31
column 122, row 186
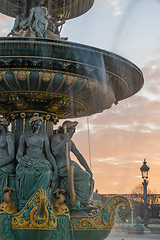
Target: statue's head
column 41, row 2
column 4, row 123
column 35, row 122
column 71, row 126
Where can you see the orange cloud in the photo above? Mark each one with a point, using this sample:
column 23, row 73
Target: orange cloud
column 123, row 136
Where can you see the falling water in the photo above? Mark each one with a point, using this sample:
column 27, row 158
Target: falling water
column 125, row 22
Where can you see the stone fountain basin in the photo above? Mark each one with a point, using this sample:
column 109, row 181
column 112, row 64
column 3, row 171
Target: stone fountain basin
column 66, row 78
column 63, row 9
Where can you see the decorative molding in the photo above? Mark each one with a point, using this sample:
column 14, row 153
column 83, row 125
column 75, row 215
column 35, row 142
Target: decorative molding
column 37, row 214
column 104, row 219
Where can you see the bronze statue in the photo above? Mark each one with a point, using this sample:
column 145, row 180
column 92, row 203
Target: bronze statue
column 7, row 155
column 83, row 182
column 38, row 19
column 37, row 23
column 20, row 25
column 59, row 207
column 54, row 29
column 36, row 163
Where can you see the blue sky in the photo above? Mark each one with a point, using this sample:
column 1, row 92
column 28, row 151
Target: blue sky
column 124, row 135
column 128, row 28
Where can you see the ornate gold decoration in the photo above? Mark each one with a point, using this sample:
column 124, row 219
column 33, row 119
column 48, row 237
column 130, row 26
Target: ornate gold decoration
column 19, row 101
column 98, row 204
column 4, row 108
column 21, row 75
column 104, row 219
column 46, row 77
column 47, row 117
column 63, row 107
column 51, row 81
column 4, row 77
column 8, row 206
column 16, row 79
column 36, row 114
column 69, row 79
column 59, row 208
column 37, row 214
column 12, row 116
column 4, row 121
column 56, row 104
column 22, row 115
column 28, row 80
column 90, row 85
column 45, row 126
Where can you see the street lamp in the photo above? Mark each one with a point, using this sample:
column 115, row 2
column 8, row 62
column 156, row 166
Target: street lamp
column 144, row 170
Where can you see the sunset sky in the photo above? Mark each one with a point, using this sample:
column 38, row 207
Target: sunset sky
column 124, row 135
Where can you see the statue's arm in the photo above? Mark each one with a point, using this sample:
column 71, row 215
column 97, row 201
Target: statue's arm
column 21, row 148
column 30, row 18
column 80, row 158
column 11, row 150
column 57, row 147
column 49, row 155
column 16, row 23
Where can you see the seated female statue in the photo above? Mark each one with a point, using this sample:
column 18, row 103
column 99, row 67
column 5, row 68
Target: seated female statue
column 36, row 163
column 83, row 182
column 7, row 154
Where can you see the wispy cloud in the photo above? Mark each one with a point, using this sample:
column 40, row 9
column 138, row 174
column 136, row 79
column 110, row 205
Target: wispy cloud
column 117, row 6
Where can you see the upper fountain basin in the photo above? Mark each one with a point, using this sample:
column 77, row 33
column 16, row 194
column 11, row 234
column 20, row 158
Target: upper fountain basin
column 69, row 79
column 67, row 9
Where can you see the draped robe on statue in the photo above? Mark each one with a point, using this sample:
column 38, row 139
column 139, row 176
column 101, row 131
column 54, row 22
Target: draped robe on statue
column 33, row 171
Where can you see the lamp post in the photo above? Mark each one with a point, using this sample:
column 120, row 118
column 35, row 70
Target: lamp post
column 144, row 170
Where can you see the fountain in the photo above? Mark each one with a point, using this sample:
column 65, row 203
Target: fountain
column 44, row 78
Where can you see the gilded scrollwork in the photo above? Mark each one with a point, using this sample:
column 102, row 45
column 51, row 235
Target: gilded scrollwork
column 18, row 101
column 37, row 214
column 104, row 219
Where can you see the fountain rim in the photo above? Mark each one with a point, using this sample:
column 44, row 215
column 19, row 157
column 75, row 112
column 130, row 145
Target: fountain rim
column 73, row 44
column 122, row 77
